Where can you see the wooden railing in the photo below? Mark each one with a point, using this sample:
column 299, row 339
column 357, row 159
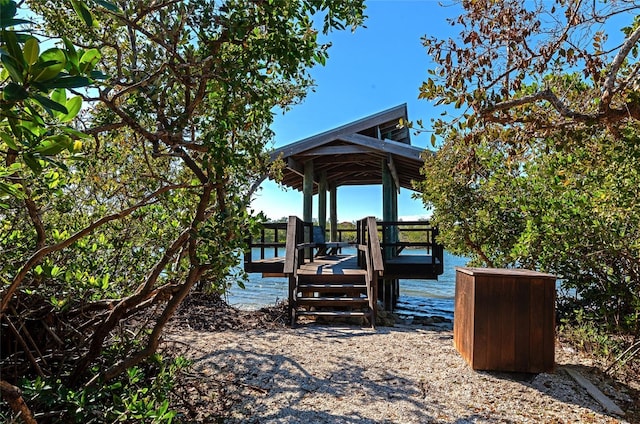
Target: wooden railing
column 351, row 235
column 395, row 238
column 370, row 258
column 272, row 238
column 271, row 242
column 294, row 257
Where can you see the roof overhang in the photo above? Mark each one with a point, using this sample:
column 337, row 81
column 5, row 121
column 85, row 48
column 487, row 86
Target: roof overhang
column 355, row 153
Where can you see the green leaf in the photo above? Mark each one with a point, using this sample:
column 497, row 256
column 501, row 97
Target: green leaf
column 73, row 107
column 53, row 145
column 55, row 270
column 89, row 60
column 12, row 45
column 53, row 62
column 72, row 54
column 13, row 67
column 83, row 12
column 75, row 133
column 59, row 95
column 50, row 104
column 97, row 75
column 8, row 139
column 32, row 163
column 105, row 282
column 8, row 10
column 6, row 23
column 108, row 5
column 13, row 190
column 66, row 82
column 31, row 51
column 14, row 92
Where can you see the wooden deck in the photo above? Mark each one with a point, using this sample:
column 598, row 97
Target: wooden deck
column 413, row 267
column 320, row 278
column 399, row 267
column 332, row 265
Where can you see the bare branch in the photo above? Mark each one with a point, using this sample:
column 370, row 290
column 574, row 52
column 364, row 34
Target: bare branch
column 608, row 87
column 547, row 95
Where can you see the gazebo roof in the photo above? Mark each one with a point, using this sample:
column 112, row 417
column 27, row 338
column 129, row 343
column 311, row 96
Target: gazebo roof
column 352, row 154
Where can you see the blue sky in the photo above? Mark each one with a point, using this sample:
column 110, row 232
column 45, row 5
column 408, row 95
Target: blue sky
column 369, row 70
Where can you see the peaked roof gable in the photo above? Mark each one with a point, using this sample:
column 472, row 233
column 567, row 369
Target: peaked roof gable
column 354, row 153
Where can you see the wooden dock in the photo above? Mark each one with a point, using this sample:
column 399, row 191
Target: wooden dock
column 322, row 284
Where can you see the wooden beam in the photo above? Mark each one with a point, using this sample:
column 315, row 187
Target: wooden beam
column 295, row 166
column 394, row 172
column 335, row 150
column 388, row 146
column 357, row 159
column 595, row 393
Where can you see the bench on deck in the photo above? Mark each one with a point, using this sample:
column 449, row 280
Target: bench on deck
column 326, row 248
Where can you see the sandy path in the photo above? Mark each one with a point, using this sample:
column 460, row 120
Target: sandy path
column 412, row 374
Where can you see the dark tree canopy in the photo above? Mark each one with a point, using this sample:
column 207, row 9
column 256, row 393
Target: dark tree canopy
column 105, row 232
column 538, row 157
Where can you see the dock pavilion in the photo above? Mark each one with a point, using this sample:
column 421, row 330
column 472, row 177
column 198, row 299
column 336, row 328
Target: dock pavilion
column 374, row 150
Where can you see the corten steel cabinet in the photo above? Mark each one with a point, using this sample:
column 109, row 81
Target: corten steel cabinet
column 504, row 319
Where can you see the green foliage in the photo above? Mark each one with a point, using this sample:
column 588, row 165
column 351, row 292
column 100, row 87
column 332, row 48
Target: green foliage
column 566, row 204
column 177, row 135
column 142, row 394
column 34, row 104
column 585, row 335
column 539, row 168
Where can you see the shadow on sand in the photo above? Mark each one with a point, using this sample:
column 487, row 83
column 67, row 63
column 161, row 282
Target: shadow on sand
column 273, row 387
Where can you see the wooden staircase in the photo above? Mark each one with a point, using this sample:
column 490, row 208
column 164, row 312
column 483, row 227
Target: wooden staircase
column 334, row 285
column 332, row 296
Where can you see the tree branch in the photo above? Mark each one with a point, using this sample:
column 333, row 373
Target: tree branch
column 547, row 95
column 609, row 83
column 13, row 396
column 152, row 344
column 124, row 305
column 41, row 253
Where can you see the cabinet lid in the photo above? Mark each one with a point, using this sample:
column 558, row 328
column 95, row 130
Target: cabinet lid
column 516, row 272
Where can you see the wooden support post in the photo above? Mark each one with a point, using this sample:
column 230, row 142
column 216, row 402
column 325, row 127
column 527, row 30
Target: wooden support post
column 333, row 212
column 391, row 288
column 307, row 205
column 387, row 193
column 322, row 202
column 389, row 207
column 307, row 192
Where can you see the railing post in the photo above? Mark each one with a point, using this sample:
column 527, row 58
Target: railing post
column 248, row 250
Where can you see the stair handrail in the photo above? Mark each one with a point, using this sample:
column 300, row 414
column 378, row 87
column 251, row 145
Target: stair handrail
column 369, row 244
column 293, row 258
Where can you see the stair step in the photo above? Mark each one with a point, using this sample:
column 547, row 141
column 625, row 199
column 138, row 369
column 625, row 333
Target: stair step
column 332, row 301
column 333, row 313
column 334, row 298
column 330, row 285
column 334, row 288
column 331, row 279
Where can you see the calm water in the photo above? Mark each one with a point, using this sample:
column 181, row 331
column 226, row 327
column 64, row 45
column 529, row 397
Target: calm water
column 417, row 297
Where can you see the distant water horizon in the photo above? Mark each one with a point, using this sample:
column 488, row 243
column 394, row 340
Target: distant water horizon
column 417, row 297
